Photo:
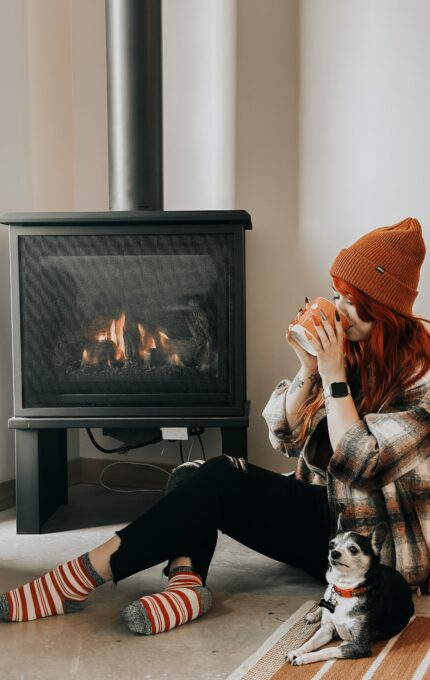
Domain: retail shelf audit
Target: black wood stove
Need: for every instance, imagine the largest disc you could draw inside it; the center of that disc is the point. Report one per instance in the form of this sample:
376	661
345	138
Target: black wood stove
122	320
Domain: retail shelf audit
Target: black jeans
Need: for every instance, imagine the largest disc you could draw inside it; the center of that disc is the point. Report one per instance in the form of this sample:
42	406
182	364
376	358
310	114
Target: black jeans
278	516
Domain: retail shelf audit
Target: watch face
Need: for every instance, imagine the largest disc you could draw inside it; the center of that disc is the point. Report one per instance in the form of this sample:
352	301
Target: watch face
339	389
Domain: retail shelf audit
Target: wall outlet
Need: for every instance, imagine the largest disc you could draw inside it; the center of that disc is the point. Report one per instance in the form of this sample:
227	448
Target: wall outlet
174	433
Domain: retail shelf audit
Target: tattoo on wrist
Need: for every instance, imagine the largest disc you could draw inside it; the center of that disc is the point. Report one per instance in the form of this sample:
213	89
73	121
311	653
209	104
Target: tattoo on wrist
314	378
297	384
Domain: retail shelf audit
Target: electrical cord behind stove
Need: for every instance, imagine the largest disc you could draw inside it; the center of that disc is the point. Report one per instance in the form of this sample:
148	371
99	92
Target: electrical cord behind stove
194	431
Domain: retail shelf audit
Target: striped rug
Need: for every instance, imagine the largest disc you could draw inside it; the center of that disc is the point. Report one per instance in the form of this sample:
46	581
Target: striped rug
406	656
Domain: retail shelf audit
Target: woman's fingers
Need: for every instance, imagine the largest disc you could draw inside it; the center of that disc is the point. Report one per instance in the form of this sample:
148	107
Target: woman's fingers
320	327
338	325
332	333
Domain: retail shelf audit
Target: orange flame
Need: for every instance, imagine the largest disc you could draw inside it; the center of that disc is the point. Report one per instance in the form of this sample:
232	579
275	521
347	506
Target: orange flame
114	333
117	331
107	344
146	343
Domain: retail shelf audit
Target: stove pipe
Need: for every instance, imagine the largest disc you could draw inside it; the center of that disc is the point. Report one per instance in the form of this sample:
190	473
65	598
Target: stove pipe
135	128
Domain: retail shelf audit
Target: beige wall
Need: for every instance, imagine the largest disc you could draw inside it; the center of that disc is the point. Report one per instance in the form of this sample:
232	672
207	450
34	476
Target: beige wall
89	112
266	184
50	91
311	115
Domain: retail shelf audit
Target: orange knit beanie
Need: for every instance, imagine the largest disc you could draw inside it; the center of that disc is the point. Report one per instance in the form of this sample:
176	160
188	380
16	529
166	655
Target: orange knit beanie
385	264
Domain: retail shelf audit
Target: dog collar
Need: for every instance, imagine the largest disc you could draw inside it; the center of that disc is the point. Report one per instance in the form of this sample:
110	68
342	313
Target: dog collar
331	603
352	592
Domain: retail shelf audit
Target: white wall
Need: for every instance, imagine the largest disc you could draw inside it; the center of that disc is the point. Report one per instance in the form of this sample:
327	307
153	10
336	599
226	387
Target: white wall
199	78
364	132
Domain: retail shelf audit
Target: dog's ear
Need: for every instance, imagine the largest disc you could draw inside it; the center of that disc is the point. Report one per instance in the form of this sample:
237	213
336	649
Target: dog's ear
339	524
377	537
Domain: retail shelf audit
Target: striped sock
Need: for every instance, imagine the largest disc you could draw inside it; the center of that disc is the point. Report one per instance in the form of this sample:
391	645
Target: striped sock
184	599
61	591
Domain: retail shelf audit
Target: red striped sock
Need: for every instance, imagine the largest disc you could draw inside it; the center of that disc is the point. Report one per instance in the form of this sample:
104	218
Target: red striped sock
61	591
184	599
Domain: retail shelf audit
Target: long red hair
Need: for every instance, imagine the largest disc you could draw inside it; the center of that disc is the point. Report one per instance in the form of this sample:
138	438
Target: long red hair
393	356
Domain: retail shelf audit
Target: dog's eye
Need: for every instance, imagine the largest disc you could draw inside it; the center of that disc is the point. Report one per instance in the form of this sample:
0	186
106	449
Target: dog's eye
331	545
353	550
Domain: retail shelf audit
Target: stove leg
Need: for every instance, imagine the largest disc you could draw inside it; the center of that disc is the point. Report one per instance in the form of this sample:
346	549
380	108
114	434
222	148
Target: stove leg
41	477
234	441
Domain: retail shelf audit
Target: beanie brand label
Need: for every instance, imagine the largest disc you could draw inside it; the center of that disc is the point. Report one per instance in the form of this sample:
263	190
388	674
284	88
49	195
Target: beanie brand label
380	269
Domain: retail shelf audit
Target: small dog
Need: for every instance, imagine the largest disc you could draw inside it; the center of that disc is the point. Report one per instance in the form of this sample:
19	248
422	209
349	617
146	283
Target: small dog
364	601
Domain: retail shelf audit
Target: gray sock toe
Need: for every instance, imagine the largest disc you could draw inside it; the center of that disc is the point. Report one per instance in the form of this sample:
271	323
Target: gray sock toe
136	618
4	608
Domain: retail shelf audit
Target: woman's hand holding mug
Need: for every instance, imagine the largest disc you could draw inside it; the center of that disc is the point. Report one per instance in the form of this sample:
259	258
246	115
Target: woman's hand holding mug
317	337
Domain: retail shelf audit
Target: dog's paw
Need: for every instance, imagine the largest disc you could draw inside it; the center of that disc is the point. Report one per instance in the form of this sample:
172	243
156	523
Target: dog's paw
292	655
301	660
314	616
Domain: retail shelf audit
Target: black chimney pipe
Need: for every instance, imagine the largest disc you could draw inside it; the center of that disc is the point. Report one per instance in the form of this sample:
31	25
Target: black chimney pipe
135	127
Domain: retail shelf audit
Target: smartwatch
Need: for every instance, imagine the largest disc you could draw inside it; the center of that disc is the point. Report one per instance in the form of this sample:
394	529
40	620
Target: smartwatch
336	390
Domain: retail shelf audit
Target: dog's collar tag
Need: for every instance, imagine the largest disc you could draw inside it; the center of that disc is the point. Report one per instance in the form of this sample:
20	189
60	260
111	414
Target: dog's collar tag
327	604
331	603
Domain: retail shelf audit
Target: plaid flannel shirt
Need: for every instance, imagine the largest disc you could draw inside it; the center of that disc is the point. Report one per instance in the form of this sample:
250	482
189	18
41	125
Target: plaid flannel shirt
380	471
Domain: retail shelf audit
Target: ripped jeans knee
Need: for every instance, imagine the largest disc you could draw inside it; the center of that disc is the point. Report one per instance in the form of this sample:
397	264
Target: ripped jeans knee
239	463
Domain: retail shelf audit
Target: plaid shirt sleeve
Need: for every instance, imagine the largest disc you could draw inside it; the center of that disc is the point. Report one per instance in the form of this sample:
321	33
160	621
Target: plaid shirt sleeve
274	413
383	446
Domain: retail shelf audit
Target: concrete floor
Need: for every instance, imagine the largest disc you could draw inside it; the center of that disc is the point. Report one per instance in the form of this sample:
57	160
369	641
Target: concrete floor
252	596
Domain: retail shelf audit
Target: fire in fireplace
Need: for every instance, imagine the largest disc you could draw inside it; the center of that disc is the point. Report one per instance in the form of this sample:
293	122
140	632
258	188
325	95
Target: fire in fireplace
129	345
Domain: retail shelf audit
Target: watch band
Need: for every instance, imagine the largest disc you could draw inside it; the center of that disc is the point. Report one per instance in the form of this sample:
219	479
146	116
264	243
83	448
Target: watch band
337	390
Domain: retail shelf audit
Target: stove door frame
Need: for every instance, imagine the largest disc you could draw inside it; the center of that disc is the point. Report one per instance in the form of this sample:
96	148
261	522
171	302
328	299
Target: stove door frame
163	222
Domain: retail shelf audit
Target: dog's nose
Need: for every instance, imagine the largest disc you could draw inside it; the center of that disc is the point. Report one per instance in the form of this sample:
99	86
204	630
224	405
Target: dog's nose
335	554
